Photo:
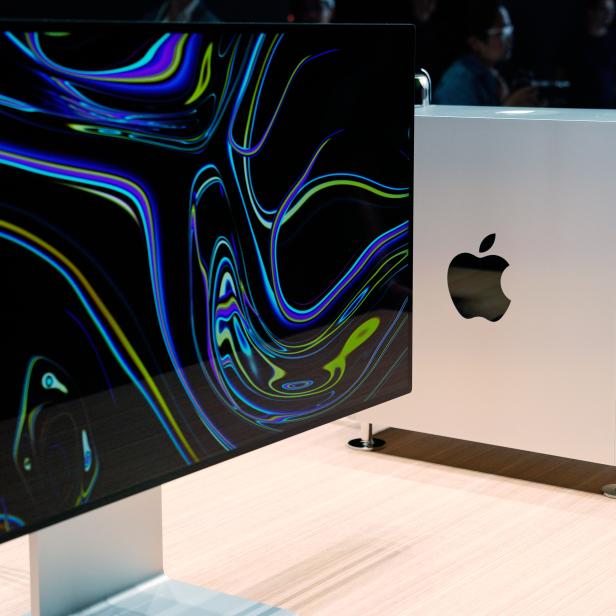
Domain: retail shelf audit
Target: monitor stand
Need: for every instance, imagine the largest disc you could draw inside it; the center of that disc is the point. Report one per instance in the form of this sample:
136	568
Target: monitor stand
110	562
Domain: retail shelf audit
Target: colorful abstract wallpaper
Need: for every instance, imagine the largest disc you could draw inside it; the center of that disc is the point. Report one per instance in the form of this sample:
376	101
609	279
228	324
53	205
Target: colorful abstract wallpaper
205	247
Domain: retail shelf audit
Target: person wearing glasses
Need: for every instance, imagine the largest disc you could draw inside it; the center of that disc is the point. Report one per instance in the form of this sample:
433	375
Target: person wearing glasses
474	78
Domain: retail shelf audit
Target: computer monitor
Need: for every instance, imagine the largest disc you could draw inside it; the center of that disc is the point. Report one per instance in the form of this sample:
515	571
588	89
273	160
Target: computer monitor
205	247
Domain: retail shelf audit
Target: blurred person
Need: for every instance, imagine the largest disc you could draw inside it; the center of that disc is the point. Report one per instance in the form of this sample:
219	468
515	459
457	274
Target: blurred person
381	11
422	11
599	17
182	10
429	46
592	57
474	78
314	11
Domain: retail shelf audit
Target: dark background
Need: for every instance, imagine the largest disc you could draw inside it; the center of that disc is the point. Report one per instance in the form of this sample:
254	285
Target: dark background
543	30
257	10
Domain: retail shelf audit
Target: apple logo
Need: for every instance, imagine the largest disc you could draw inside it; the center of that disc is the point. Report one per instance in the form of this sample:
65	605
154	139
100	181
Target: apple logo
475	284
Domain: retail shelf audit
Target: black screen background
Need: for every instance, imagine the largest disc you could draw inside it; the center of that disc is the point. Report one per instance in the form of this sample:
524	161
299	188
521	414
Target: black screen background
364	88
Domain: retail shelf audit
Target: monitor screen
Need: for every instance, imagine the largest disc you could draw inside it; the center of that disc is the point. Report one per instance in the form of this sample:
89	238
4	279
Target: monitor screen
205	247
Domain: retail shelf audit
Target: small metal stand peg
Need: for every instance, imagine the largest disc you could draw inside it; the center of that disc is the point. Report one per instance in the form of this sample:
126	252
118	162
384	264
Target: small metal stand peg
366	442
609	490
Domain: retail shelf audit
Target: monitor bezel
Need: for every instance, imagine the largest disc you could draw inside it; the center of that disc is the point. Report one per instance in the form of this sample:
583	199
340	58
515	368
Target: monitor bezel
250	28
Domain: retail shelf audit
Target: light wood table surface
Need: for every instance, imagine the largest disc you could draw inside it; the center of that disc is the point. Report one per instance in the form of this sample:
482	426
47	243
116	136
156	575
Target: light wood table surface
423	529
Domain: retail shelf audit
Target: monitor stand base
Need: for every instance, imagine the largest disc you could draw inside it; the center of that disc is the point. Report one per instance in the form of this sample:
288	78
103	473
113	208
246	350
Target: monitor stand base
108	562
162	596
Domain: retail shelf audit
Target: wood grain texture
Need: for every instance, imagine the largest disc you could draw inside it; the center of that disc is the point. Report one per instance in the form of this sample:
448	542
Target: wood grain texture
424	528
